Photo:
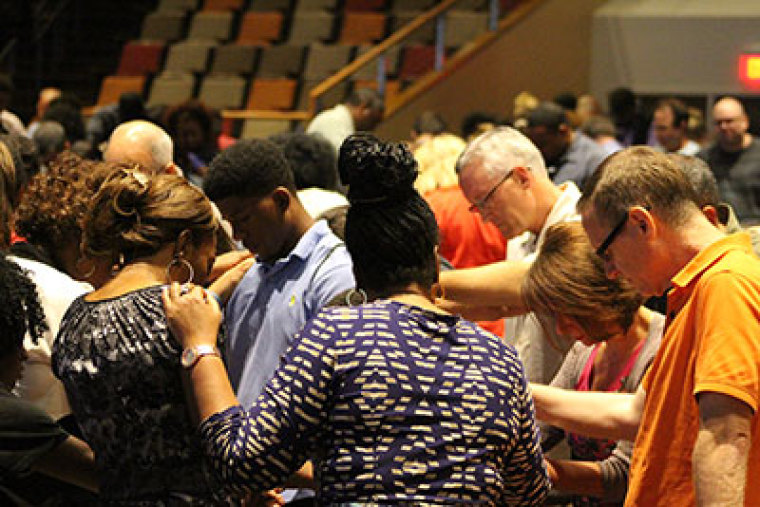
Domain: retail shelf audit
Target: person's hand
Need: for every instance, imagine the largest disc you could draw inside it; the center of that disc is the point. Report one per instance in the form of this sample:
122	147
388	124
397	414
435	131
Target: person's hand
269	498
225	285
192	314
223	263
477	313
551	470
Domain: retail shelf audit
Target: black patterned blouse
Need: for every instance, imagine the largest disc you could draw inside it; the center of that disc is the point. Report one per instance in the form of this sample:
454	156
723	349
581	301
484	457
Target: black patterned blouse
395	404
120	367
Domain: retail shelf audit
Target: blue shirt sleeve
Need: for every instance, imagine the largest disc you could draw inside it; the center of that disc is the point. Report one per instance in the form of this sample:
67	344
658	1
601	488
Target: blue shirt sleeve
259	449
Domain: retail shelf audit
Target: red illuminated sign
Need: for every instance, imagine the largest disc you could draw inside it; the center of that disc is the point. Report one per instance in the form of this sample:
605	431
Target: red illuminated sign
749	69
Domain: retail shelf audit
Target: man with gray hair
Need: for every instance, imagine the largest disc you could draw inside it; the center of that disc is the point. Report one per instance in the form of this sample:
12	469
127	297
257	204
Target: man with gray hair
504	177
145	143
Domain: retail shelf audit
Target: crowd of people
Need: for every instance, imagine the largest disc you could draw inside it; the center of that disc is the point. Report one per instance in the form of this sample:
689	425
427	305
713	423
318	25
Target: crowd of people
562	308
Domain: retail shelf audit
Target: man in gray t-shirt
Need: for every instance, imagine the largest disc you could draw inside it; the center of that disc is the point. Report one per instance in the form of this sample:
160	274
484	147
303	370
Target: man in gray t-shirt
735	159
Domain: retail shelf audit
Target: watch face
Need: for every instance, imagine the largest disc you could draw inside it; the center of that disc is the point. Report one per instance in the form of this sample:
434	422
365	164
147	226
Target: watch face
188	358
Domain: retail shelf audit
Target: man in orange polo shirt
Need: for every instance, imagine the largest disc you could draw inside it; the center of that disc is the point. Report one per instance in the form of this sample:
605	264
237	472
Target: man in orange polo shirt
695	417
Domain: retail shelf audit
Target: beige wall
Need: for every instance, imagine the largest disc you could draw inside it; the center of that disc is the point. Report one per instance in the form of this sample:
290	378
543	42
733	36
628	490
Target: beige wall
547	52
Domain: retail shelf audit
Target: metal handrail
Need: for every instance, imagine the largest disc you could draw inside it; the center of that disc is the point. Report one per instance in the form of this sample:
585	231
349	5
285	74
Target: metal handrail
377	52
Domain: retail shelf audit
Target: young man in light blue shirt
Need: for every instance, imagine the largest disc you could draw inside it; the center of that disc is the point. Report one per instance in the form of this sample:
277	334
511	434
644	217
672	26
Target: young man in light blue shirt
300	264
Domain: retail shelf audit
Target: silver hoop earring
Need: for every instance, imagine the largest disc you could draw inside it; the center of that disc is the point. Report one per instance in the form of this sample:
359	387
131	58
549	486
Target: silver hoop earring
78	266
350	297
181	261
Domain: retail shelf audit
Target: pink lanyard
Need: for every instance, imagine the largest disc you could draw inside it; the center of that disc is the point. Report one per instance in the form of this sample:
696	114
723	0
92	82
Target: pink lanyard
584	382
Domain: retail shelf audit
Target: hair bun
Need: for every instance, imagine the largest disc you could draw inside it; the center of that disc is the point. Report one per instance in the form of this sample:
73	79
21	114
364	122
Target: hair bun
376	171
130	192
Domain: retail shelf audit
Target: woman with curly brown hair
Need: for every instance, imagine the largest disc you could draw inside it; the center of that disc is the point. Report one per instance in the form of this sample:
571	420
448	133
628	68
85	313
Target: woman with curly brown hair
114	352
49	219
49	216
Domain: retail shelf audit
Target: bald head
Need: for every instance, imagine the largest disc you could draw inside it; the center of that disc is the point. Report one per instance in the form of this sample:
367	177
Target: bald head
731	124
144	143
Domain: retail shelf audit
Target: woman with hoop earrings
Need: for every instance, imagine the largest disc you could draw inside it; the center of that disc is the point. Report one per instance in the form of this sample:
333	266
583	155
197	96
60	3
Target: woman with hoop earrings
114	352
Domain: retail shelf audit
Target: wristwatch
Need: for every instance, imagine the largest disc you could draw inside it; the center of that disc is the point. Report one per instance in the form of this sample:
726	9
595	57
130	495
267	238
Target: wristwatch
191	355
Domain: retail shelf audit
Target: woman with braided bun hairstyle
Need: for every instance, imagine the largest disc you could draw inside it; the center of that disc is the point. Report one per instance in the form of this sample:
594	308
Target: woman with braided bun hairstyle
114	353
393	400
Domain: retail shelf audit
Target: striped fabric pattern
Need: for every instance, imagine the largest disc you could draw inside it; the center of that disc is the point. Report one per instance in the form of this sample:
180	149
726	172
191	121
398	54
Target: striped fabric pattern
394	404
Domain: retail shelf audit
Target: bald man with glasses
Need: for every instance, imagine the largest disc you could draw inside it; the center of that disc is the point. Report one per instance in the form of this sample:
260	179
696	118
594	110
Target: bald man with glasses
503	175
695	416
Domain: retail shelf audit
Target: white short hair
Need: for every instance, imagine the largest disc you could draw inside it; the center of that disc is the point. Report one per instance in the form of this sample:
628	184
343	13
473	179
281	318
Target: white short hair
501	149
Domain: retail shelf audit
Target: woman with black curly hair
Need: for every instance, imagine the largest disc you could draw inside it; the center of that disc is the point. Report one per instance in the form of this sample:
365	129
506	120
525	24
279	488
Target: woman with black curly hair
29	439
394	400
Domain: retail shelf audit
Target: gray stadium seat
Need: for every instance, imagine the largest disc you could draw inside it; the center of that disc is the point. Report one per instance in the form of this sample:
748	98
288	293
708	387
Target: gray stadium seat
164	26
189	56
223	91
280	61
211	25
311	26
261	129
171	88
234	59
325	60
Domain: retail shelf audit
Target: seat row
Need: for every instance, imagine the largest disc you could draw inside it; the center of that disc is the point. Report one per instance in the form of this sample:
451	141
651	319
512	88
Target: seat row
230	92
303	27
315	61
277	64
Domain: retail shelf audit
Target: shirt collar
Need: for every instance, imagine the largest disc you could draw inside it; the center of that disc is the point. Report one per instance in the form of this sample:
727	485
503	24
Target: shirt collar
564	210
306	245
709	256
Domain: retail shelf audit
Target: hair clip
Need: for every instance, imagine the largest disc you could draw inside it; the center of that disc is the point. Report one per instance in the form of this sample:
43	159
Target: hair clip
140	176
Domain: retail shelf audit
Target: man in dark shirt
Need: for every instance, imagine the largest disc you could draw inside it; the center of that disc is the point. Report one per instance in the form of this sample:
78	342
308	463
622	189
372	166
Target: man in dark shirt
734	158
569	155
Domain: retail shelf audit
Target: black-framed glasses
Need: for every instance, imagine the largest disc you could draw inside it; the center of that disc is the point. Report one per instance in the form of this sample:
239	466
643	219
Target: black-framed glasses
614	233
481	204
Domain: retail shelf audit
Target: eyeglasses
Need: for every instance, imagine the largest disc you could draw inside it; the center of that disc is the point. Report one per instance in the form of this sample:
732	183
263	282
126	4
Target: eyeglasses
481	204
614	233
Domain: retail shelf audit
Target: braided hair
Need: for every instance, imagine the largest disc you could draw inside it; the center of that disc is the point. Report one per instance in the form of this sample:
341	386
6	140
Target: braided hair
391	232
